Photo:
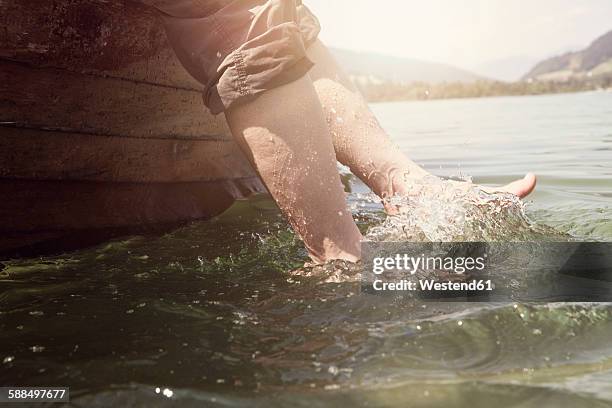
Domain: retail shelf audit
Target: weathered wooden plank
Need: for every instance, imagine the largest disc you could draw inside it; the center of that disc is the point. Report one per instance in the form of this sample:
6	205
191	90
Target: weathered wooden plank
76	205
116	38
101	127
42	155
56	99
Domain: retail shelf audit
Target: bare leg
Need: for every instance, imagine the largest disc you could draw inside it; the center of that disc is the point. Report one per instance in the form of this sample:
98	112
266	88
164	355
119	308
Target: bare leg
284	135
359	140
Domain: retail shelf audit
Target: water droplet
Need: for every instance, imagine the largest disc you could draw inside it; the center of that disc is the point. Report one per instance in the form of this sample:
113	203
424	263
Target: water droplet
333	370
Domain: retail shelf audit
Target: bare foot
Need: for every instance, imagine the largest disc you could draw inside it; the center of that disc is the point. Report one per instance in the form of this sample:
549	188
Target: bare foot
521	187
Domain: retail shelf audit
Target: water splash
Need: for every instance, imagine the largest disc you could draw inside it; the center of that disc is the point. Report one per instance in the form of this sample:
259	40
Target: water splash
333	271
445	211
439	211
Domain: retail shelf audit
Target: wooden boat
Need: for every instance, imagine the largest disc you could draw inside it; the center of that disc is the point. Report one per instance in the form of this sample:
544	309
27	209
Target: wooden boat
101	127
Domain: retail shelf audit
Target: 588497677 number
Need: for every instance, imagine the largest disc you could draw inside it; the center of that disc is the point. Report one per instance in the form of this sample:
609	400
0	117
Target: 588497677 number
25	394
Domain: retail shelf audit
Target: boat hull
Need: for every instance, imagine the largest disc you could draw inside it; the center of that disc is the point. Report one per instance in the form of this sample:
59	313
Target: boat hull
101	128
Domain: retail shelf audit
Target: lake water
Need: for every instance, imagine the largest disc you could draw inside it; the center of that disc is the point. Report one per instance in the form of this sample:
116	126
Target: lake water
210	314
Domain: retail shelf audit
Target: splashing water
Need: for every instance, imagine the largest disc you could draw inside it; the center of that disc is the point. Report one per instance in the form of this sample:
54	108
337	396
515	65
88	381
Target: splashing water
441	211
445	210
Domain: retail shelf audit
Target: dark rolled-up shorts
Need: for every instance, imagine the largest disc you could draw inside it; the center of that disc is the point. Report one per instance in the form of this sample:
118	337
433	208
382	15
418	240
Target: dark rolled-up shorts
239	48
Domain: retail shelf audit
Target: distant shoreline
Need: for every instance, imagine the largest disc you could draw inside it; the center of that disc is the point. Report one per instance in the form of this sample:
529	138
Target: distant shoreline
418	91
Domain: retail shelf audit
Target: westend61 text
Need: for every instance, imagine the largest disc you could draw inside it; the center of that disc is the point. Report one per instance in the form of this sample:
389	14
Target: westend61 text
432	285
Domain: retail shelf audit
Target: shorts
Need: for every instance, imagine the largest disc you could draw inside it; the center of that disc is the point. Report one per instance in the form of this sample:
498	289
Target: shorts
239	48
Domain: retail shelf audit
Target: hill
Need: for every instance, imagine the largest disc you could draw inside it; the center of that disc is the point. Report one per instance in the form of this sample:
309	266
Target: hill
372	68
593	61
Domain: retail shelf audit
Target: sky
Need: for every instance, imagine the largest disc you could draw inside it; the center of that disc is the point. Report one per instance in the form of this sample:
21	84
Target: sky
472	34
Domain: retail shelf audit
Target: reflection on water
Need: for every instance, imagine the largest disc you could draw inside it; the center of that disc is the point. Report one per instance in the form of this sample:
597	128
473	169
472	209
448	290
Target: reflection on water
212	314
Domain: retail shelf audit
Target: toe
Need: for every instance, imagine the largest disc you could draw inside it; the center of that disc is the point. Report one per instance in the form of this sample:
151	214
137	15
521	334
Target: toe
521	187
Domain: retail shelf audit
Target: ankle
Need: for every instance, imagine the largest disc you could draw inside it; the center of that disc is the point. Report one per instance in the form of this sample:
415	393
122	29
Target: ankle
330	251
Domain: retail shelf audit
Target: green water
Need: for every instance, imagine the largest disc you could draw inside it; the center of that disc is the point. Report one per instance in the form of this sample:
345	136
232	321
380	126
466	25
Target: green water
211	312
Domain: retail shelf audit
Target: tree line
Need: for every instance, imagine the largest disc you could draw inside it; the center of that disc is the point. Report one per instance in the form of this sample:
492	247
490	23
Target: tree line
391	91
